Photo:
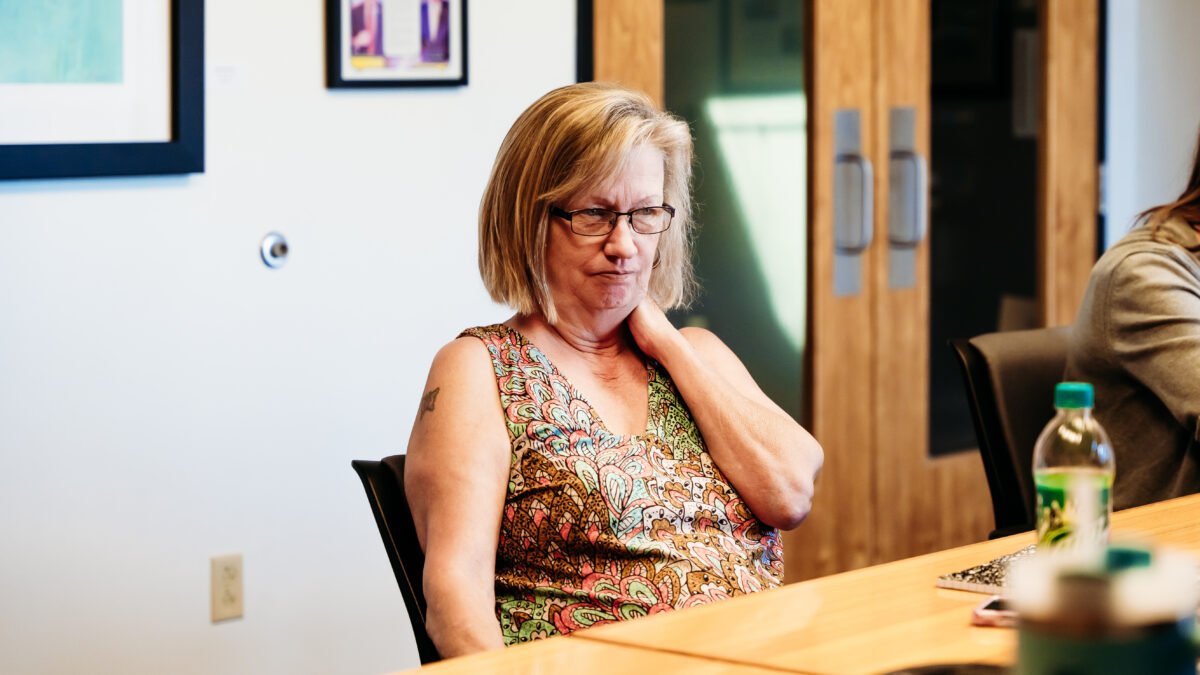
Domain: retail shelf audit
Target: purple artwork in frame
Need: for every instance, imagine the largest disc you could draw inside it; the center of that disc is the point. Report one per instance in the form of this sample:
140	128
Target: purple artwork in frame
396	43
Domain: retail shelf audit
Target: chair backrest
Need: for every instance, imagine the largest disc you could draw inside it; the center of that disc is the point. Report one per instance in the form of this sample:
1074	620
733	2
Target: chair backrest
1009	379
384	483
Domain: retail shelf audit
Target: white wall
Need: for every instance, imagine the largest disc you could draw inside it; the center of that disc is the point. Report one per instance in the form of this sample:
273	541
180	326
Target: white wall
1153	105
165	398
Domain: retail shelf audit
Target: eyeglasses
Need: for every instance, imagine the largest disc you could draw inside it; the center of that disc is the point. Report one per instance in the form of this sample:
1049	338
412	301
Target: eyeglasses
599	222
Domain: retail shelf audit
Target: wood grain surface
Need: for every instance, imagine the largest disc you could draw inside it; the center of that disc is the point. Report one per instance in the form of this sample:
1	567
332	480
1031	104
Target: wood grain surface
628	44
1069	182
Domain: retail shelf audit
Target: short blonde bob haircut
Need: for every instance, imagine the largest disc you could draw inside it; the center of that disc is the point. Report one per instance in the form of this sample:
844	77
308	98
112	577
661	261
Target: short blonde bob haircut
570	138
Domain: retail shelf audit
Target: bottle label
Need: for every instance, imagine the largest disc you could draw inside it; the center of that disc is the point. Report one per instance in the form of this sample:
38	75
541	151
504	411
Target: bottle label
1073	506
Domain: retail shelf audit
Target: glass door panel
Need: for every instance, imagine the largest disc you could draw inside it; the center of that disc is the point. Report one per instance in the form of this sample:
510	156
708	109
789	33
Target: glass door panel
983	190
734	69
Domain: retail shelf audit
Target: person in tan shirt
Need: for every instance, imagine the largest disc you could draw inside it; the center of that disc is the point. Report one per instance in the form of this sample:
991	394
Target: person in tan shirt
1137	340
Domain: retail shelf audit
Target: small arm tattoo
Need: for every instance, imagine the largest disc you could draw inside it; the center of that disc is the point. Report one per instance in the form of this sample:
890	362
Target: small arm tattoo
427	401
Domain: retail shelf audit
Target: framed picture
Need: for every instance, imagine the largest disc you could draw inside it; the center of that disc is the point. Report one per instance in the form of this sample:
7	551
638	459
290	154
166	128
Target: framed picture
101	88
395	43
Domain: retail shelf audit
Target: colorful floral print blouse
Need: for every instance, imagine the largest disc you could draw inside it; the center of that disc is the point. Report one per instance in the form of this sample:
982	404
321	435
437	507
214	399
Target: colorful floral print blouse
599	527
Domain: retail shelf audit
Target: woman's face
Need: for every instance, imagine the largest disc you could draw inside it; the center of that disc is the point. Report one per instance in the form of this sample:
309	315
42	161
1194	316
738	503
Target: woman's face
609	273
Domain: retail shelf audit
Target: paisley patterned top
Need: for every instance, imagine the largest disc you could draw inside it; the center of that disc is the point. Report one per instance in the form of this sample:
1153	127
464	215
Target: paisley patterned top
598	527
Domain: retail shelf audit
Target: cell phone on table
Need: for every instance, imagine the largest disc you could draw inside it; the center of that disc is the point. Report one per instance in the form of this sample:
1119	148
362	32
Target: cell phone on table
995	611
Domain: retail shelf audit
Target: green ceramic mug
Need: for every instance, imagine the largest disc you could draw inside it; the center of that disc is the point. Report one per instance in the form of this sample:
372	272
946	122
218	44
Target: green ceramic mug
1126	611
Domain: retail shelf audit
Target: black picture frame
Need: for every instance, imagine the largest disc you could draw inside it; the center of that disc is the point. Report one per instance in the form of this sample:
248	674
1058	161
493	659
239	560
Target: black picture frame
336	53
184	153
585	62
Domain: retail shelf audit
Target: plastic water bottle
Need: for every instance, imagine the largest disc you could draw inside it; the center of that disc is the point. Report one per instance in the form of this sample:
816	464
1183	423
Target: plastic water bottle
1073	471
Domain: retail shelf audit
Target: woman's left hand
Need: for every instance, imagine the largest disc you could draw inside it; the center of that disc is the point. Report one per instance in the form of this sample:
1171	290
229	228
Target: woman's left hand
651	328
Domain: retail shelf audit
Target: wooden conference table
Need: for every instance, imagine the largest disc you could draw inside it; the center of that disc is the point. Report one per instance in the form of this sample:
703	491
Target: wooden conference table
871	620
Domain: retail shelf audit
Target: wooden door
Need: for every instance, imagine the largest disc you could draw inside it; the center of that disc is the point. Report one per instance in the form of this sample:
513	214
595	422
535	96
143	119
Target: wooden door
881	496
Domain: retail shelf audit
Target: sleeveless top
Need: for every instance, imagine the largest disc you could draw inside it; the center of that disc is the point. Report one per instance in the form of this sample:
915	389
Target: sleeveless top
598	527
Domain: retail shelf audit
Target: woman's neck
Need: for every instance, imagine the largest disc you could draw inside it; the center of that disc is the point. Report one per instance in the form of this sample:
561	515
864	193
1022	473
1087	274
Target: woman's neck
595	338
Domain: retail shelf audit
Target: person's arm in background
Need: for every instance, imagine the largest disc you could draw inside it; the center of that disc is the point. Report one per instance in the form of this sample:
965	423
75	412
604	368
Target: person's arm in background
769	458
1152	325
456	477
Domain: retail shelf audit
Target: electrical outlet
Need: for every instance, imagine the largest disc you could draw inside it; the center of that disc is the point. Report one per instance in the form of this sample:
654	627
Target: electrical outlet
227	587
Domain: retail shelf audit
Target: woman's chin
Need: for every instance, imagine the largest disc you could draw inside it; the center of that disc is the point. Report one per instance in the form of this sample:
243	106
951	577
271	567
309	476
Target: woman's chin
612	301
624	301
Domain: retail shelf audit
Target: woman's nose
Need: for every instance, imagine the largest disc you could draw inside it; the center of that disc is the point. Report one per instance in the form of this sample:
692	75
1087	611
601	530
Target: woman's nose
620	242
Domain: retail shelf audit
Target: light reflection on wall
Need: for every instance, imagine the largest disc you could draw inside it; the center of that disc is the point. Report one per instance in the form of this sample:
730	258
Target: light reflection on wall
763	145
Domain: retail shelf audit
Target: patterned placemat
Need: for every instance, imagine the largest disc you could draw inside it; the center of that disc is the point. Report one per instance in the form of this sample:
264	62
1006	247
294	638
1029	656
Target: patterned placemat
991	577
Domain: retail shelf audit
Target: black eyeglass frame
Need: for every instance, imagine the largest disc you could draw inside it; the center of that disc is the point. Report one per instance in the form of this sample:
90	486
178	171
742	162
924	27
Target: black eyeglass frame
569	216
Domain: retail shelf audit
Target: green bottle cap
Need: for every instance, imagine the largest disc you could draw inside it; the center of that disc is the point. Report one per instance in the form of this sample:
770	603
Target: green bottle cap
1073	395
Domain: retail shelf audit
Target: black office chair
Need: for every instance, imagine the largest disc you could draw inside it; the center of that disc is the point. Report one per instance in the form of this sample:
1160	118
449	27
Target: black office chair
1010	378
384	483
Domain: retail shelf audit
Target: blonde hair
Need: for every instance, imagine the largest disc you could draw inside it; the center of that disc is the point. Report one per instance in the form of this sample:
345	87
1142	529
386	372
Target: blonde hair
570	138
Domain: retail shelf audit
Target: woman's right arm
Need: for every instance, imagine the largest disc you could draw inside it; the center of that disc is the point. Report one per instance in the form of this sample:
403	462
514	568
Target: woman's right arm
456	477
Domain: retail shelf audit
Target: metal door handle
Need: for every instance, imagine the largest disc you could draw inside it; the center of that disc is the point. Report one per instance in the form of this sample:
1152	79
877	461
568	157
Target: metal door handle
908	217
854	206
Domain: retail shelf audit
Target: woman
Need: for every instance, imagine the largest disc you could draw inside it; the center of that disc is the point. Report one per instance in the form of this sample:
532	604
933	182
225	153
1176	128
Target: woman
585	461
1137	340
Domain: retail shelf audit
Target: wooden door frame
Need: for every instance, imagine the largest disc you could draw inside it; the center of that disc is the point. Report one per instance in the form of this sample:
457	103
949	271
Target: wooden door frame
1068	170
627	44
840	531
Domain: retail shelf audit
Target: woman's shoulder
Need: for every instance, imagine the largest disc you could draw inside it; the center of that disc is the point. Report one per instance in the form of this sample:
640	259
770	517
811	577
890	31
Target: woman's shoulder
698	335
714	351
1140	259
484	332
468	355
1126	268
1173	239
1140	283
704	340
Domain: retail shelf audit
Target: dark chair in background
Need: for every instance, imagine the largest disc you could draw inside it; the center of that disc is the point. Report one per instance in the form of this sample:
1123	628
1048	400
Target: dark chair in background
1010	378
384	483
